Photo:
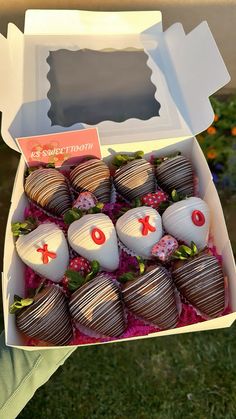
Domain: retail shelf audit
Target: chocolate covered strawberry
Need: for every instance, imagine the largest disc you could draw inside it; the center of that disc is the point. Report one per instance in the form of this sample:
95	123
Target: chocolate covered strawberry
188	220
139	229
44	317
152	298
97	306
42	247
92	176
200	279
175	173
134	176
93	236
49	189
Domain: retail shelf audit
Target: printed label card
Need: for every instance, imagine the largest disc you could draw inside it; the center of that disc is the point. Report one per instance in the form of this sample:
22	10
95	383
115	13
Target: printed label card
60	149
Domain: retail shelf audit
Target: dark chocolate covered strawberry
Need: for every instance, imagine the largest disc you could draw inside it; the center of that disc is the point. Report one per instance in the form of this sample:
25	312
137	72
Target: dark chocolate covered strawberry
152	298
92	176
134	177
200	279
45	317
49	189
175	173
97	306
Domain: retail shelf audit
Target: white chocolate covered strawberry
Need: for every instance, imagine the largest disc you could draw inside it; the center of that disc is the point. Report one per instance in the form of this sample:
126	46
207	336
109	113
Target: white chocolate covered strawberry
45	250
188	220
94	237
139	229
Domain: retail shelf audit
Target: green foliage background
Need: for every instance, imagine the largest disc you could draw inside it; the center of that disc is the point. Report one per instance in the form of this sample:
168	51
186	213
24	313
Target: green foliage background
220	147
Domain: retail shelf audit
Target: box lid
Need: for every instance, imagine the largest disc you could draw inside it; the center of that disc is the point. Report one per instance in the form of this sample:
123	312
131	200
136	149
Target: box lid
181	72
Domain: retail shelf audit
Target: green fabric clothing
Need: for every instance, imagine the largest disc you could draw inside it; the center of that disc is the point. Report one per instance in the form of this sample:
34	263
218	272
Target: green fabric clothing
23	372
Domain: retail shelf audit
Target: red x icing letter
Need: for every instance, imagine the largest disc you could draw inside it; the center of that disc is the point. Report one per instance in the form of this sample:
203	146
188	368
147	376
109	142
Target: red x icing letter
146	226
46	254
98	236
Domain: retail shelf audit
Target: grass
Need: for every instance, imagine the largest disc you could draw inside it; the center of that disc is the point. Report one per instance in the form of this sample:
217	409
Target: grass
188	376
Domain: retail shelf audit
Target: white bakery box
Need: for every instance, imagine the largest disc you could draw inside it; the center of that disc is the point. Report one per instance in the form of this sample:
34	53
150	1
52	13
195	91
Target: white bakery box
155	99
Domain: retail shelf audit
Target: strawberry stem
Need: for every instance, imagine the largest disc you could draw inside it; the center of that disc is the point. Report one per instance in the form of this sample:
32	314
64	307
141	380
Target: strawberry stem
141	264
184	252
128	276
25	227
121	159
95	266
72	215
20	303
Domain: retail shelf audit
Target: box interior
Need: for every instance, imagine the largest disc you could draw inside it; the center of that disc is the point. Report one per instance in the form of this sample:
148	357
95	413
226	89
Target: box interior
188	147
184	70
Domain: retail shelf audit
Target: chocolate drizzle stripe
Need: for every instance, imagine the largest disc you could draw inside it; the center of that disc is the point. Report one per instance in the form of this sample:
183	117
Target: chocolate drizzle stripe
93	176
47	318
135	179
176	173
97	305
152	298
49	189
201	281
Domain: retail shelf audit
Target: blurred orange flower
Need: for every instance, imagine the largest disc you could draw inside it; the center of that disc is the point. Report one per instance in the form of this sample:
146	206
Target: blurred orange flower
233	131
216	117
211	154
211	130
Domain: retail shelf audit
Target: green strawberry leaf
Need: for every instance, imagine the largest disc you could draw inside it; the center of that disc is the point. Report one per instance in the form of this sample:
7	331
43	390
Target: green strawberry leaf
75	280
137	203
128	276
17	298
20	303
121	159
39	288
72	215
139	154
158	161
163	205
100	205
180	257
141	263
25	227
96	209
175	195
185	250
95	266
194	248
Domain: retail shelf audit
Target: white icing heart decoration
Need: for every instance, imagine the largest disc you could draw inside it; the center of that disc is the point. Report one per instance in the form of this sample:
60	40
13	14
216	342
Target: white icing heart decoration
139	229
45	250
94	237
188	220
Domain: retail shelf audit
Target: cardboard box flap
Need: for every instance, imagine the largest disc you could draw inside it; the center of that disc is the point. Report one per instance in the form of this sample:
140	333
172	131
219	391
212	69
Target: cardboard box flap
199	69
140	83
71	22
